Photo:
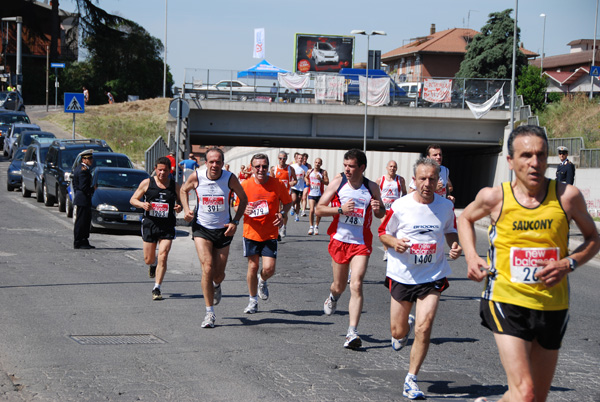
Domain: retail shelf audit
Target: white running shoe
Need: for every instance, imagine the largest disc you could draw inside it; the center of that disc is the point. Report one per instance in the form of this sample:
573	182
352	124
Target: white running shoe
263	290
329	306
411	390
398	344
209	320
296	218
316	232
352	341
349	275
251	308
385	255
292	211
310	230
303	213
217	295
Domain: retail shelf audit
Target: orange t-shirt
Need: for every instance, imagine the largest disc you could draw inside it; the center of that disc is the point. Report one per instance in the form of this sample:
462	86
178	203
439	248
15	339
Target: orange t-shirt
264	199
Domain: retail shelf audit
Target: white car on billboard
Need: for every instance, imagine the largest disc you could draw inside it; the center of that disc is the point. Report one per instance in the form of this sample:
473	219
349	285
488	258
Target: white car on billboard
324	53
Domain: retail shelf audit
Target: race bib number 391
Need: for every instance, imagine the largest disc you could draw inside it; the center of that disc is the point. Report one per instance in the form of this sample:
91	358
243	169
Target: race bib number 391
212	204
523	262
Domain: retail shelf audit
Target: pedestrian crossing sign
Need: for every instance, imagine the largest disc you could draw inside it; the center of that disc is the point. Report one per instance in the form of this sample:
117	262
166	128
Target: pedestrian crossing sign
595	71
74	103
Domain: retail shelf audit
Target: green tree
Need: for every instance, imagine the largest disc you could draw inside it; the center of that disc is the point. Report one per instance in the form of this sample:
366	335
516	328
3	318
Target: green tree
533	88
489	55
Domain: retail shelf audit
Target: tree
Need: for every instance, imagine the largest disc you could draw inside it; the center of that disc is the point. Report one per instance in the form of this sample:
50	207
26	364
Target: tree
533	88
489	55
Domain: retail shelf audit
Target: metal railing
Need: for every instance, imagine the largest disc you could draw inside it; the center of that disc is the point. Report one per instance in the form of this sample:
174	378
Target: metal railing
156	150
201	84
588	158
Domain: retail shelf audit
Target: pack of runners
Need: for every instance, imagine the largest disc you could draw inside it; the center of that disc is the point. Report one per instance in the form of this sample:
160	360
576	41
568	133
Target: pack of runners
525	299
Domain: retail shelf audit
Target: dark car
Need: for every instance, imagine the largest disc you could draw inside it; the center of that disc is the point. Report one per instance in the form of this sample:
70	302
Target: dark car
61	155
32	169
27	137
6	119
110	204
12	101
13	179
101	159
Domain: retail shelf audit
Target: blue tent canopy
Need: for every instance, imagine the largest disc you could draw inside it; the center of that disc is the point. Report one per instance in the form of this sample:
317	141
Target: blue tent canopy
264	69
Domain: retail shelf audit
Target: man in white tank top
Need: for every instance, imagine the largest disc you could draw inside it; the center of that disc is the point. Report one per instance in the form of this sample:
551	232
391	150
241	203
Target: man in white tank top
354	200
444	187
392	187
316	179
298	188
213	228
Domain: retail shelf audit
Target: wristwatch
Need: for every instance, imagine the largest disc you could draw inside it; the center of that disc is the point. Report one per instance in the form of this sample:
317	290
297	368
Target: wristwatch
340	211
235	222
572	263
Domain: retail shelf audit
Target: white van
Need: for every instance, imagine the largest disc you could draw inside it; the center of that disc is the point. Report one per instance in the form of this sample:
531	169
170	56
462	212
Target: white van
413	90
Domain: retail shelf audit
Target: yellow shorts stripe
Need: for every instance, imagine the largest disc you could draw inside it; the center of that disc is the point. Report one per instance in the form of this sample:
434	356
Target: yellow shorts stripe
493	311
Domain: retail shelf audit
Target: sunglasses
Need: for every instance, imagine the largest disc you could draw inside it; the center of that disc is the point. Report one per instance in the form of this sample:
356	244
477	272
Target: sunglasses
258	167
563	153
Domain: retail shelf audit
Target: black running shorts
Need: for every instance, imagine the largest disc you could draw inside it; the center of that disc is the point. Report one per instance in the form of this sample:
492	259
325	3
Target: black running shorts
152	233
410	293
216	236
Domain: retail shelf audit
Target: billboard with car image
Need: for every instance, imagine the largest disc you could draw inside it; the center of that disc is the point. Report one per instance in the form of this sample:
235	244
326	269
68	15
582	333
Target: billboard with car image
323	53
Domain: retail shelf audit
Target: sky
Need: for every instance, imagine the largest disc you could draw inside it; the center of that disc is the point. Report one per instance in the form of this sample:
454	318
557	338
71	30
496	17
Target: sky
219	35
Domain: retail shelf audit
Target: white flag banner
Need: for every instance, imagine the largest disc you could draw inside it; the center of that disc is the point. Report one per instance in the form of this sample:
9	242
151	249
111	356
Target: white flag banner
379	90
437	91
480	109
294	80
259	43
329	87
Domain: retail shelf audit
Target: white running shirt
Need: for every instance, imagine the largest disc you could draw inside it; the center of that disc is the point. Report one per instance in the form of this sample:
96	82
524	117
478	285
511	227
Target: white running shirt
213	200
300	172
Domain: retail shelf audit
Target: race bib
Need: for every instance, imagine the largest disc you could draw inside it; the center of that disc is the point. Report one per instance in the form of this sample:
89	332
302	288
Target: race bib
213	203
423	253
387	202
357	217
523	262
315	185
441	191
259	208
159	210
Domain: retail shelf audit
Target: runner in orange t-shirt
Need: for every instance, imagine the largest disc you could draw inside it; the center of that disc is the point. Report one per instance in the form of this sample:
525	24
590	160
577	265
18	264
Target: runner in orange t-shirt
262	219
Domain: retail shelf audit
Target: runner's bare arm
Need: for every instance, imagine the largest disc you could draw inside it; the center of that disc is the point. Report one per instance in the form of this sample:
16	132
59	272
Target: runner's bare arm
323	208
487	201
403	185
190	184
177	207
376	203
574	204
325	177
237	188
293	178
139	193
455	248
399	245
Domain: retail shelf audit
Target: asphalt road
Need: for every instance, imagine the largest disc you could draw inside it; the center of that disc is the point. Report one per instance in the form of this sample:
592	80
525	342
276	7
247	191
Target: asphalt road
81	325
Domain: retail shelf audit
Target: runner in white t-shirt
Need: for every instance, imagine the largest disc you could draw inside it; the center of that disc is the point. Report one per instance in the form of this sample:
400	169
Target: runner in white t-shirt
444	186
414	230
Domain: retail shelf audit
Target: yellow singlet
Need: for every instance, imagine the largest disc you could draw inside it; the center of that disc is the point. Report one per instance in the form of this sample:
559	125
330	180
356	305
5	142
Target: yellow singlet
521	237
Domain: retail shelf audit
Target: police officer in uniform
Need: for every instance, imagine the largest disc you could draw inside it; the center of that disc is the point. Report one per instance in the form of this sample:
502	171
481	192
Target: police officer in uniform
82	186
565	172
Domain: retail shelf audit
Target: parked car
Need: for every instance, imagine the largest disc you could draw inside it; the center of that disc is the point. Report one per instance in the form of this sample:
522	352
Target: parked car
61	155
27	137
101	159
12	101
13	133
7	118
110	203
32	169
398	96
13	179
323	53
226	89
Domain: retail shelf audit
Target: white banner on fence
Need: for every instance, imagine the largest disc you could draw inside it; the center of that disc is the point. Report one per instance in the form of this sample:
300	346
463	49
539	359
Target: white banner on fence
294	80
480	110
379	90
259	43
329	87
437	91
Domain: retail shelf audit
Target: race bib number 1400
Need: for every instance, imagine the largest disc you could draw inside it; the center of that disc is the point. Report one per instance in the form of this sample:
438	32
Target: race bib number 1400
423	253
524	262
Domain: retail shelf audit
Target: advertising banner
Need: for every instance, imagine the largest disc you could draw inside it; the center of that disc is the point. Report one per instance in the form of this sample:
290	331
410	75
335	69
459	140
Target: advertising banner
259	43
323	53
437	91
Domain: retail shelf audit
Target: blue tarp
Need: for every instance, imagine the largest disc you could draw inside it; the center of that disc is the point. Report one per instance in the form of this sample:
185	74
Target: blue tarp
264	69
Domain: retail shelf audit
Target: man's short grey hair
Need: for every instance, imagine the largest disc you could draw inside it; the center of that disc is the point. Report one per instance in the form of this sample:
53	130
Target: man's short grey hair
426	162
283	153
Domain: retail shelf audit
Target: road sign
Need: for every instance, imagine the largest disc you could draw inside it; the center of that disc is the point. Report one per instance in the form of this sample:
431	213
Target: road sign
57	65
185	108
595	71
74	103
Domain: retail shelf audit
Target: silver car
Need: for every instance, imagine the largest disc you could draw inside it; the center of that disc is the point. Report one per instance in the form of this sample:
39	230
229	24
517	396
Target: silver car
13	133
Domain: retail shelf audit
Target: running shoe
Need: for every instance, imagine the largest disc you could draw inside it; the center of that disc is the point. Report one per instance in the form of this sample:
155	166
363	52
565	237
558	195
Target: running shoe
292	212
349	275
217	295
251	308
329	306
411	390
352	341
209	320
385	255
310	230
284	233
398	344
263	290
303	213
152	271
296	218
156	294
316	232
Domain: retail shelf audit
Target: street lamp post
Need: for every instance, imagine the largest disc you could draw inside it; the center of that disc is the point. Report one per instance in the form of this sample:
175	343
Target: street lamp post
165	55
368	35
543	40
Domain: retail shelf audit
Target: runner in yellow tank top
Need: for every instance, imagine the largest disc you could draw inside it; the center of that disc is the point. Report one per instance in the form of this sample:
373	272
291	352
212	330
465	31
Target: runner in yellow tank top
525	302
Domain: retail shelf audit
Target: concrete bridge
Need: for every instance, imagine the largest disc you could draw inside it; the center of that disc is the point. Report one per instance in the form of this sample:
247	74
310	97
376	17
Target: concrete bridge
471	147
